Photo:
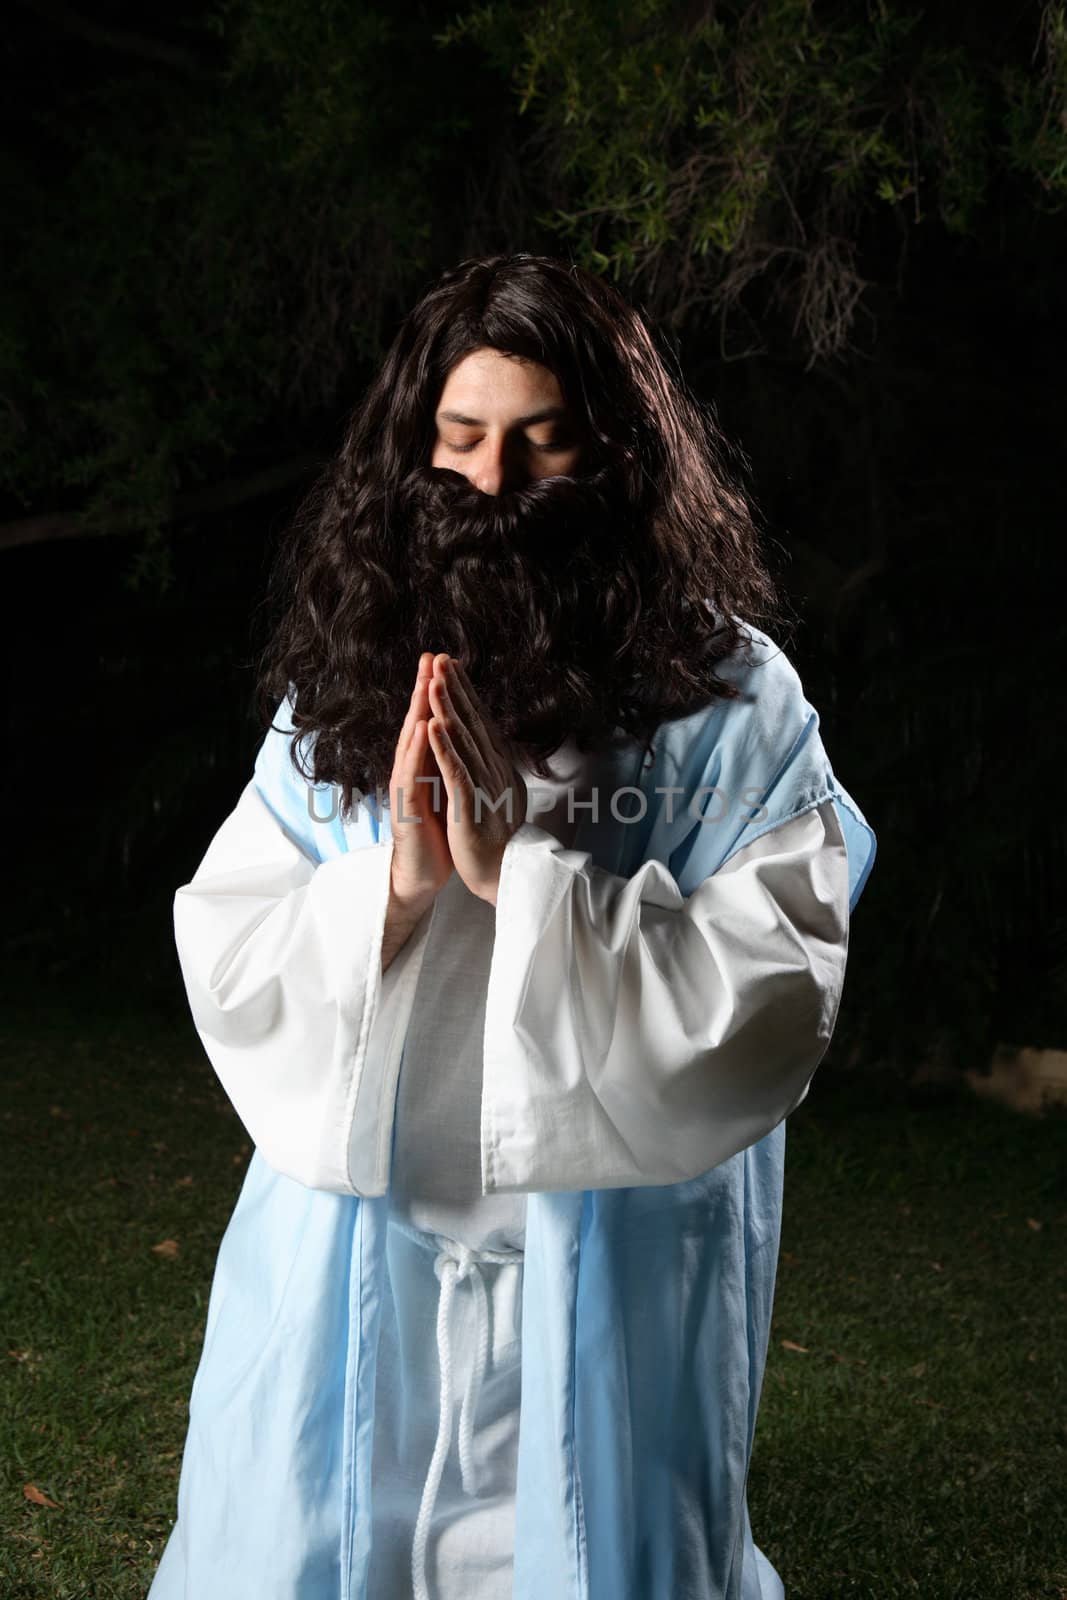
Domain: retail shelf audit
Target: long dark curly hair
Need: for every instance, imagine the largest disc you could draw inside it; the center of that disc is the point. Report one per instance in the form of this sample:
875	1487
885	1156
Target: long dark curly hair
593	606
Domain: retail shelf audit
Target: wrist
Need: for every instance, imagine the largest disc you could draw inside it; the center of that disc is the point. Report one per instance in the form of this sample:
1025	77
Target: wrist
409	903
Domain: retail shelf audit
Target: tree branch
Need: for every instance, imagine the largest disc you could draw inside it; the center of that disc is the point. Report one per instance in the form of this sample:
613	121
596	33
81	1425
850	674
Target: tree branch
135	44
195	503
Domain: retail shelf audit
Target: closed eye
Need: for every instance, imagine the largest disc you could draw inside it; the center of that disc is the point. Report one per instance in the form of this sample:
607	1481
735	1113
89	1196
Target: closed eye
544	449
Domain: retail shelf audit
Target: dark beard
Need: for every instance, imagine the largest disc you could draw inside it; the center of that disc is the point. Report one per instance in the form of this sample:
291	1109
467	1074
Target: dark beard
516	586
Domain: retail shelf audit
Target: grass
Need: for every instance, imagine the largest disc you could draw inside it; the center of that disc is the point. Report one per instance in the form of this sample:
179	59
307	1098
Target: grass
914	1444
118	1137
917	1443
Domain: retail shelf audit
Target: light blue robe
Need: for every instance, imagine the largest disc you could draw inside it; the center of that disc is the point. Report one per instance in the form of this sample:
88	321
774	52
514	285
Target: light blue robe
645	1312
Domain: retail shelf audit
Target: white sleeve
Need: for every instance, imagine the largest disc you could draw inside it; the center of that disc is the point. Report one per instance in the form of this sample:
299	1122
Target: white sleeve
281	957
635	1036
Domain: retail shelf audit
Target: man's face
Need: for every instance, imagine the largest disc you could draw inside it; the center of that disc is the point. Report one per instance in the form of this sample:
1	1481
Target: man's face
510	534
502	422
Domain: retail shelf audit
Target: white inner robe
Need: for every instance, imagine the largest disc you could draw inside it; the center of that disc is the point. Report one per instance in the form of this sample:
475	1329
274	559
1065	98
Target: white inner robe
437	1209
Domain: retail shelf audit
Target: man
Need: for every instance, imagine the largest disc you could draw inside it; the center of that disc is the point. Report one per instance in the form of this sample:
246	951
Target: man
515	1049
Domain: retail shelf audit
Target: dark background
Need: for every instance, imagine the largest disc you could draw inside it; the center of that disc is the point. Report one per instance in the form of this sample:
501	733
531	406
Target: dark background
846	222
215	218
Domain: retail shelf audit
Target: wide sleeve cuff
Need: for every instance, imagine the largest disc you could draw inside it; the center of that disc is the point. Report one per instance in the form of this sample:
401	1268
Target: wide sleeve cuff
281	958
634	1036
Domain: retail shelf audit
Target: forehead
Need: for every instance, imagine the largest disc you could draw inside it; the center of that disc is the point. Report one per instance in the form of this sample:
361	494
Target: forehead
488	383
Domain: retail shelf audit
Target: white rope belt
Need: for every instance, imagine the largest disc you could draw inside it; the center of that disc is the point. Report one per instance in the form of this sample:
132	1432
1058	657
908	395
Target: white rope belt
453	1262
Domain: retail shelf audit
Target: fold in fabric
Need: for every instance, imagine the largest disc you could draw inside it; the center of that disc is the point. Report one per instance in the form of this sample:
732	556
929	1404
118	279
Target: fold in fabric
632	1035
281	957
646	1308
636	1036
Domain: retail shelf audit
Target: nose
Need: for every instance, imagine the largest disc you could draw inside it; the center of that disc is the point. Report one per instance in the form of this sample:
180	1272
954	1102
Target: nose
489	479
497	467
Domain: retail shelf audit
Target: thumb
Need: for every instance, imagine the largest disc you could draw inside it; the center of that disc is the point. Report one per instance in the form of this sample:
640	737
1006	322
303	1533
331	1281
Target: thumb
431	792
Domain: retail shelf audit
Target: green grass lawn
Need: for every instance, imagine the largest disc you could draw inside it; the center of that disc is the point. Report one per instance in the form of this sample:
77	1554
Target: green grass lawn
914	1443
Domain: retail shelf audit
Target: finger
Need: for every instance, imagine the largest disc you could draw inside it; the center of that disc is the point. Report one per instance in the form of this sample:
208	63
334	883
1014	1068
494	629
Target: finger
427	776
501	749
420	795
401	787
477	718
431	792
468	734
468	694
418	709
449	717
408	725
453	768
417	705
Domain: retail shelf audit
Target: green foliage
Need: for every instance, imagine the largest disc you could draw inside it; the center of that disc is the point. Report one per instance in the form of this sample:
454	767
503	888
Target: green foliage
1036	115
209	259
217	255
690	152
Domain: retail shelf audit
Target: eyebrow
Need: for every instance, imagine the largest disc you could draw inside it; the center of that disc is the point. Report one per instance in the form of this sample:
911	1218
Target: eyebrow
549	414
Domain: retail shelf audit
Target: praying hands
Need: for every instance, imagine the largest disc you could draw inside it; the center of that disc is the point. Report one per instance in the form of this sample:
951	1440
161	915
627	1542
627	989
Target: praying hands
487	797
